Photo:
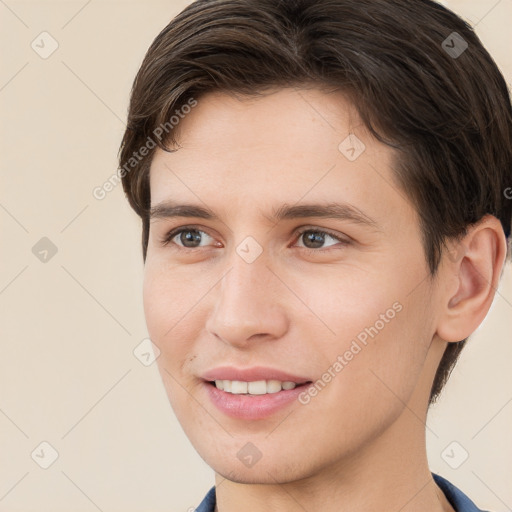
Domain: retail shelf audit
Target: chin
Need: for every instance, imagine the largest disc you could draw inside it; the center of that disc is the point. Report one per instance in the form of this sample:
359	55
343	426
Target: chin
261	475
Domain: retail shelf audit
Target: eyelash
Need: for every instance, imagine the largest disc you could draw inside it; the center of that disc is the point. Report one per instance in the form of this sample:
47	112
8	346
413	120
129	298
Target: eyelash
166	240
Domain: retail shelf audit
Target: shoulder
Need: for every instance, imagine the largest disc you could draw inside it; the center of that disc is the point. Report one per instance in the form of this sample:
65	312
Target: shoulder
459	501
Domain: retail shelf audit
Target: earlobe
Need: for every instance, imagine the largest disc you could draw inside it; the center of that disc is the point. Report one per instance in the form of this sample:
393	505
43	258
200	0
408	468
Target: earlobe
476	270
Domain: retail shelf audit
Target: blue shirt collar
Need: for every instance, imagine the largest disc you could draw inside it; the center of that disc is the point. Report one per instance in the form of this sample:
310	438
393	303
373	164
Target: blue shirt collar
459	501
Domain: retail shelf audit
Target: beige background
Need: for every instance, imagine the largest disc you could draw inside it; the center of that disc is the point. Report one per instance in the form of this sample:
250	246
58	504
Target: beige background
68	375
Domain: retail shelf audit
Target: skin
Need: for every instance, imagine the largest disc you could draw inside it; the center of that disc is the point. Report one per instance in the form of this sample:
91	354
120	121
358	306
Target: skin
360	443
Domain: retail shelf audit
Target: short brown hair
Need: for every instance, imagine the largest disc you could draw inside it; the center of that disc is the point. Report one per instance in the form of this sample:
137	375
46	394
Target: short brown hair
417	73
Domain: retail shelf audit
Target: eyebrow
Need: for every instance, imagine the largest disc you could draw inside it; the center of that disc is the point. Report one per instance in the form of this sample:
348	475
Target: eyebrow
343	211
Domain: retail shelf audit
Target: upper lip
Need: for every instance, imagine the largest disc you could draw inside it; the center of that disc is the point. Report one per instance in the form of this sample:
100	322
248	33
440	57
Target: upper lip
252	374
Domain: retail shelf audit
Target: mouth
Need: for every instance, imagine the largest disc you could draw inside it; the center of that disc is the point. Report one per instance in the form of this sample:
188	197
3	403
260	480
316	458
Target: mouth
253	400
252	393
255	388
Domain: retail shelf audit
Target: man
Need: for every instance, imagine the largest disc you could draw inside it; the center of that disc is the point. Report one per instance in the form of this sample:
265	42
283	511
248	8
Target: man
322	190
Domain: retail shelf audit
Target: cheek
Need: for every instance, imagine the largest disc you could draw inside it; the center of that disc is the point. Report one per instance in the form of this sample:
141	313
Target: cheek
157	305
363	386
346	305
378	335
169	309
169	294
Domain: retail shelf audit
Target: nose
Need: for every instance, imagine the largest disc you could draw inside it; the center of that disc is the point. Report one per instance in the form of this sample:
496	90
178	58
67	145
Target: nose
247	305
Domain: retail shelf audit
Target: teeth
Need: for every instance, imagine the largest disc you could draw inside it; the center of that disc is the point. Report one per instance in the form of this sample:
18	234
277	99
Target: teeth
238	387
273	386
258	387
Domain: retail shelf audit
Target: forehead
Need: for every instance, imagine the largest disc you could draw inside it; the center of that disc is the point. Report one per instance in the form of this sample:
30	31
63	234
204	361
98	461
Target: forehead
288	146
280	119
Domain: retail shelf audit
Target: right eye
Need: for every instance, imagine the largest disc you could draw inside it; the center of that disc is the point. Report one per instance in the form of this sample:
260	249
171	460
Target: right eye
186	237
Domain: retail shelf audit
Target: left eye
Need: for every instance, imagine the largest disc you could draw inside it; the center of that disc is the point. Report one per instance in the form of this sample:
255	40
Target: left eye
315	239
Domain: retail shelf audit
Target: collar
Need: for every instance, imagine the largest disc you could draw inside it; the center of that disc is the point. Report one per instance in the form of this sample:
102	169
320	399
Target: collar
459	501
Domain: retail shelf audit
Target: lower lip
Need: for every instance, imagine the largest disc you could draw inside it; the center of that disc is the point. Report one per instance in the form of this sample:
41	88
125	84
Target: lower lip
252	407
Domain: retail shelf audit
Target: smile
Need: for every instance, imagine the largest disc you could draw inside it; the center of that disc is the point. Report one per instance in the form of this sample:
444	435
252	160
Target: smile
257	387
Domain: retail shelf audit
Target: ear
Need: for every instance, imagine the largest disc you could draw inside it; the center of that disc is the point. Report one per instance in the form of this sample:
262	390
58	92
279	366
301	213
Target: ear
473	269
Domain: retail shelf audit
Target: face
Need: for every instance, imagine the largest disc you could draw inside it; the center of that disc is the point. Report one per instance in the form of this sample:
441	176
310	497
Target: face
305	266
